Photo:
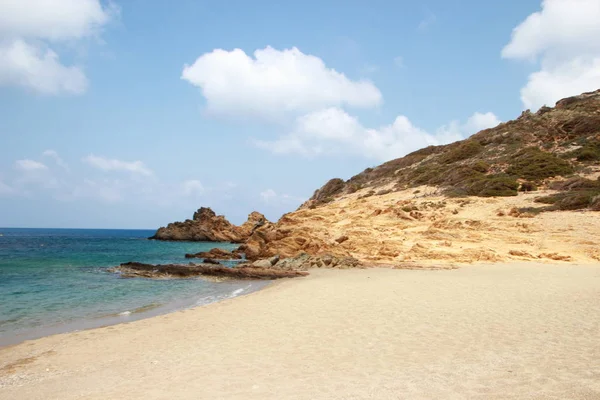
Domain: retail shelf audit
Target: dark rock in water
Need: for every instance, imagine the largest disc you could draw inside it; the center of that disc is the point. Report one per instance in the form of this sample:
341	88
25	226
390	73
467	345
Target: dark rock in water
210	261
135	269
207	226
218	254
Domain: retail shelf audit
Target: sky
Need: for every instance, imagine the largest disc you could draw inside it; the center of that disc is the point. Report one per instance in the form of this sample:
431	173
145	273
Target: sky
133	114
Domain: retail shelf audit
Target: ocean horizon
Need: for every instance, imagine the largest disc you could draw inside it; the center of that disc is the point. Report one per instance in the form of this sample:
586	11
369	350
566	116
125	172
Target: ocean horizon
55	280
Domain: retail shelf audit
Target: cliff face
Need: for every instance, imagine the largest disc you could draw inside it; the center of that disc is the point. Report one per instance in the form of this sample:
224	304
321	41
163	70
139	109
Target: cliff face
207	226
487	198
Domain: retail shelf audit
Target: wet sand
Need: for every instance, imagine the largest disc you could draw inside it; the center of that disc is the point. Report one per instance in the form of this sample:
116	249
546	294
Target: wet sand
504	331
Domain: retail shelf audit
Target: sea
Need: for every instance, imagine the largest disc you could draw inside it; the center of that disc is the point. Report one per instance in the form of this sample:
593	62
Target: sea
57	280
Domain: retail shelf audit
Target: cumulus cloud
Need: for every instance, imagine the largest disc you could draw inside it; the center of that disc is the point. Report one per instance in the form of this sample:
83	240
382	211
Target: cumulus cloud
30	165
52	20
6	190
26	29
57	159
107	164
267	195
193	188
333	130
38	69
563	38
274	82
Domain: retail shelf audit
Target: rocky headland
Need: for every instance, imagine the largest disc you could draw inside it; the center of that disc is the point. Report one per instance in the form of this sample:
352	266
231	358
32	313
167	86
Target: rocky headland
526	190
210	227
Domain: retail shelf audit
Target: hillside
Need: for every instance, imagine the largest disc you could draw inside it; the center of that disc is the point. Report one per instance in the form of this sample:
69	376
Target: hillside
521	155
527	189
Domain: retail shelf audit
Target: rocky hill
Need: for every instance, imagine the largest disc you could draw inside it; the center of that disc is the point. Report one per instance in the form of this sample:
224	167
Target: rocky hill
488	197
520	155
527	189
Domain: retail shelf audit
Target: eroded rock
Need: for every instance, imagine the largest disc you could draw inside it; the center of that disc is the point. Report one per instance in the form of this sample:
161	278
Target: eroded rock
207	226
216	254
135	269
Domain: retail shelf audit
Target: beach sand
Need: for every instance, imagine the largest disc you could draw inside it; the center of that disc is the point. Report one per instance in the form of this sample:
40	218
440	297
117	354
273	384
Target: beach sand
504	331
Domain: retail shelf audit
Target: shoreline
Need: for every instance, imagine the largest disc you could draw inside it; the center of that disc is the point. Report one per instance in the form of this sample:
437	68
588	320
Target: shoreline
150	310
511	330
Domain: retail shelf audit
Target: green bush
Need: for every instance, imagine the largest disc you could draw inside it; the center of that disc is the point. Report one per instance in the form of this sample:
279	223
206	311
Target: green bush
481	166
589	152
494	185
461	152
535	164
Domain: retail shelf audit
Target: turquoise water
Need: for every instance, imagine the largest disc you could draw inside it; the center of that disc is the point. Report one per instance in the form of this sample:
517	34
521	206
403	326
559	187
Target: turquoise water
56	280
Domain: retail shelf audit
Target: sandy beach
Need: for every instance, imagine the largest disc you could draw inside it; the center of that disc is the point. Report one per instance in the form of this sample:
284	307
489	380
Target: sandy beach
504	331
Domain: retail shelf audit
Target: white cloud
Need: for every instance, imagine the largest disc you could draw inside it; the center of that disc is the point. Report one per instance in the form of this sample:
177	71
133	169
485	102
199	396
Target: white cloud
30	165
57	159
478	122
38	69
426	22
193	188
106	191
52	20
334	131
280	201
274	82
267	195
6	190
563	36
26	26
107	164
555	82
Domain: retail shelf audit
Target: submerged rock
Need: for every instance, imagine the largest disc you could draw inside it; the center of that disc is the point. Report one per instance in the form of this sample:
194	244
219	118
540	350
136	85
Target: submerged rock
135	269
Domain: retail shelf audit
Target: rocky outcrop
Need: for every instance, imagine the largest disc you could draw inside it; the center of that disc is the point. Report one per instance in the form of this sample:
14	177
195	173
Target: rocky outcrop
303	262
135	269
216	254
282	238
207	226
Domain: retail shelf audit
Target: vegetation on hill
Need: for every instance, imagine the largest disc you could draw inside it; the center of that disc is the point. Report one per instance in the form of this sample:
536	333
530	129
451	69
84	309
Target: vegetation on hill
528	153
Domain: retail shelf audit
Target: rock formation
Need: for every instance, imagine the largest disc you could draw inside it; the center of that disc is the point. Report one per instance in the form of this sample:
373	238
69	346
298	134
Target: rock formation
207	226
462	202
303	262
135	269
216	254
526	189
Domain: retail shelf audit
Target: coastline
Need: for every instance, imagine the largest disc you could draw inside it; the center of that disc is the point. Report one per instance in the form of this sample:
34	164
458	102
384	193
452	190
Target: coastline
512	330
126	316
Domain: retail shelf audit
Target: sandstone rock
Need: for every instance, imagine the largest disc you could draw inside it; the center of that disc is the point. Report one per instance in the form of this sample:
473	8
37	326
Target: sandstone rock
304	261
342	239
134	269
262	264
207	226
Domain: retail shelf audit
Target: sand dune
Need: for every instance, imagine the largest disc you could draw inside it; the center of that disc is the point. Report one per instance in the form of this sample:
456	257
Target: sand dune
513	331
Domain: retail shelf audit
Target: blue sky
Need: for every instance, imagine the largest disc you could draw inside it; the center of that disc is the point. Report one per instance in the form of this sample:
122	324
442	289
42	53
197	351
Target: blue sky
131	114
